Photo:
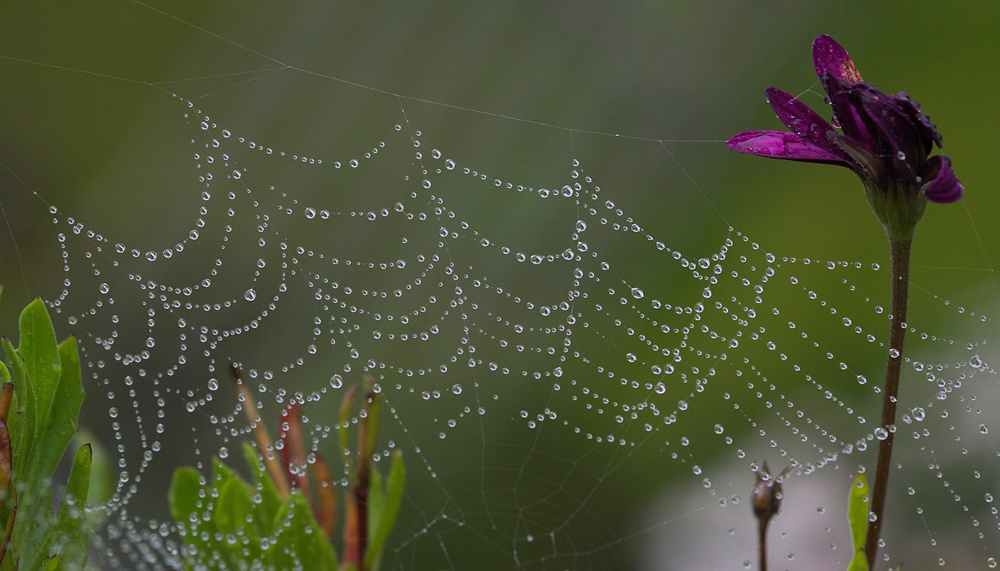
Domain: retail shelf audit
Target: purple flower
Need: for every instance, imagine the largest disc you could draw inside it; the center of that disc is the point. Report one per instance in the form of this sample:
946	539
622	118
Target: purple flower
884	139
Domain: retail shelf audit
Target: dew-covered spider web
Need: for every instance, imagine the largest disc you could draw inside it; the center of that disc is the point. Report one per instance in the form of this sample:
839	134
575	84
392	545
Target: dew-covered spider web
574	384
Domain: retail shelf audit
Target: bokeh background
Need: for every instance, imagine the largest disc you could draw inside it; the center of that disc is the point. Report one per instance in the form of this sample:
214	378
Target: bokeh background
517	89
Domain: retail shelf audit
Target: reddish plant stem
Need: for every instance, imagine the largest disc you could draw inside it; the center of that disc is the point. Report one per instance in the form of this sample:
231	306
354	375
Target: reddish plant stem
899	250
762	542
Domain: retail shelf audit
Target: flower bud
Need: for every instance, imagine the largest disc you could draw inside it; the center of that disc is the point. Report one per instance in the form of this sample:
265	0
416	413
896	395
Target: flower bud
767	494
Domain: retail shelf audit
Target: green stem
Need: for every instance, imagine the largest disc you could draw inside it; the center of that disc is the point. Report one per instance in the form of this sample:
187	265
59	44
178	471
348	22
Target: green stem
900	256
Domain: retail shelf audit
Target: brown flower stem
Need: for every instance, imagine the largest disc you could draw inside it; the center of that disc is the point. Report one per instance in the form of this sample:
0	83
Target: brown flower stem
899	250
260	433
762	542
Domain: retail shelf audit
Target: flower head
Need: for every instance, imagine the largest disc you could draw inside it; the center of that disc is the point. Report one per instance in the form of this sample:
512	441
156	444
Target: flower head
884	139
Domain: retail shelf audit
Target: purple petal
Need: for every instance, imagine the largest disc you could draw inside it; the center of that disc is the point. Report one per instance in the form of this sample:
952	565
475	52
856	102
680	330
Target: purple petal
945	188
829	56
846	111
898	128
800	119
922	123
782	145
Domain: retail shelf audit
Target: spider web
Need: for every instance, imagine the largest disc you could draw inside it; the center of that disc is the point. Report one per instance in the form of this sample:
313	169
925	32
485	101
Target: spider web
573	384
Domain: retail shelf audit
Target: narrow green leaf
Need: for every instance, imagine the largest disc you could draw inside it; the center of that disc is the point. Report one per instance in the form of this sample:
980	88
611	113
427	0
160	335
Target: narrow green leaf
68	536
857	511
376	501
102	474
53	563
24	431
859	563
301	544
37	346
267	508
387	519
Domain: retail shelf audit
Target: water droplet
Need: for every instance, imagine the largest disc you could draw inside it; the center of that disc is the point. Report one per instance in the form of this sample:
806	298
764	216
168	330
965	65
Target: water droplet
660	388
983	429
894	353
881	433
310	212
706	293
457	389
719	429
250	295
104	288
223	452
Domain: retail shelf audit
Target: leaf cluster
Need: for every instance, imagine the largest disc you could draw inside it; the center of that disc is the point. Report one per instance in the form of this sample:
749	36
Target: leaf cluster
47	395
270	522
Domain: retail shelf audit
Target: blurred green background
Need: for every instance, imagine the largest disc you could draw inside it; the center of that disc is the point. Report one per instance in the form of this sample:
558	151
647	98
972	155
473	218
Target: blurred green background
517	90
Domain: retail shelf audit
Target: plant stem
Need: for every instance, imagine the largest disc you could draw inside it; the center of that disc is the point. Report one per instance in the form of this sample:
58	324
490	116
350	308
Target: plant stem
762	542
899	250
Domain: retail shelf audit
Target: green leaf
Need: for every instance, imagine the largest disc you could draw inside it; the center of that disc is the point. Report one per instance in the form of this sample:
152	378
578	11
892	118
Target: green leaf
302	543
232	506
857	511
185	499
68	536
389	511
54	563
859	563
267	508
231	510
40	352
